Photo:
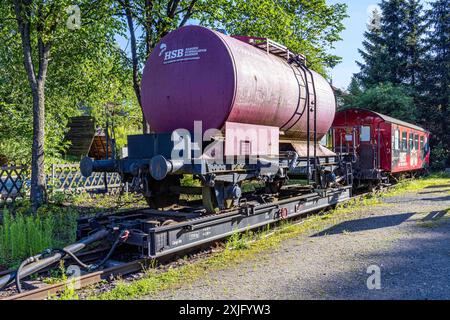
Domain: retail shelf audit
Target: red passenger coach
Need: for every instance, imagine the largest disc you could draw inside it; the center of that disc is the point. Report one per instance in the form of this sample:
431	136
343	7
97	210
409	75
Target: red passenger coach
380	146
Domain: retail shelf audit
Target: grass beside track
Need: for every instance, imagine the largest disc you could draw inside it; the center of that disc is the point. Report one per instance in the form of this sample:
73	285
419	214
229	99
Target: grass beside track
241	247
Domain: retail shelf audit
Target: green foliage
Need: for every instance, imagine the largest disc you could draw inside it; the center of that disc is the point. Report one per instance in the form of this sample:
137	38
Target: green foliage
23	234
189	181
86	71
64	223
439	156
307	27
239	241
386	98
436	100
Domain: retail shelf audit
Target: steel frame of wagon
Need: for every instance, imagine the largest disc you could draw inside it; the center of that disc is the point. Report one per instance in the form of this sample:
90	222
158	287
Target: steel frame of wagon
196	229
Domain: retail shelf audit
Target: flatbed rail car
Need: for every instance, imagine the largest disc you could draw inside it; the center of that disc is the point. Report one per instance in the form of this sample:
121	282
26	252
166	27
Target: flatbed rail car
158	233
380	146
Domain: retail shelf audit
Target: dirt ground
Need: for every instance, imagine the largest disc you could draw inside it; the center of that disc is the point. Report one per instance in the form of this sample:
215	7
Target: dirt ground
406	239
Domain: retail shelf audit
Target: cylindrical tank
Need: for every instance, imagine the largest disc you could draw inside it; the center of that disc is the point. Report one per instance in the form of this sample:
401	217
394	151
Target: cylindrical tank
197	74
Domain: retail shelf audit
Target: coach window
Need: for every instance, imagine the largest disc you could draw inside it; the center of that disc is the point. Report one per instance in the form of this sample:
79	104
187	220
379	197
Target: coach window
365	134
416	141
411	141
404	141
396	139
426	146
422	144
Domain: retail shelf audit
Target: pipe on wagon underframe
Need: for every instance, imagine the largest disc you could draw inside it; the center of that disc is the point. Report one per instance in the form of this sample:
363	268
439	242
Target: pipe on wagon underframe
45	262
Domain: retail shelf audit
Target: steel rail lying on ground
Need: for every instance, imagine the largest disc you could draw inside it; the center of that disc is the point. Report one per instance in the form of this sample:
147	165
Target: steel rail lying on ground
84	281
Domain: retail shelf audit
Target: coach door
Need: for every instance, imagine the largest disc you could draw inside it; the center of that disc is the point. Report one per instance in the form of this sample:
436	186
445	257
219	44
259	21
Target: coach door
367	149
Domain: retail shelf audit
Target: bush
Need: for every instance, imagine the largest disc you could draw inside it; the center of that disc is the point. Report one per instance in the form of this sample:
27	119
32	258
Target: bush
438	157
23	234
392	100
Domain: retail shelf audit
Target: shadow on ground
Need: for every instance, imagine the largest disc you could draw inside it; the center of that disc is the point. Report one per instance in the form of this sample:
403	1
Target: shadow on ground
434	192
435	215
446	198
366	224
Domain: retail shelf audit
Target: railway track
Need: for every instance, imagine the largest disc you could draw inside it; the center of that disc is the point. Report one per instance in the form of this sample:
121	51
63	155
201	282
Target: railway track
128	267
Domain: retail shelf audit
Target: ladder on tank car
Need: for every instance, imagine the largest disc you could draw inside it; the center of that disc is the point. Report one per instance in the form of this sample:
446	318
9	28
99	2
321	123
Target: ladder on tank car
310	105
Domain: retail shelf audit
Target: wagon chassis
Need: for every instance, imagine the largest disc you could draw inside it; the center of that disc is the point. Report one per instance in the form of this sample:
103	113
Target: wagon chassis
160	233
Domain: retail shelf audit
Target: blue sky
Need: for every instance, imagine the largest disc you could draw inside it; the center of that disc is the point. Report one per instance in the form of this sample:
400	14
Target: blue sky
352	36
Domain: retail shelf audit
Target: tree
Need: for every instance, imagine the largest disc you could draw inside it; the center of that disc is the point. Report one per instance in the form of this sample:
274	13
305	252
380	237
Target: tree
394	48
436	82
415	50
349	98
25	16
46	32
154	20
394	101
382	45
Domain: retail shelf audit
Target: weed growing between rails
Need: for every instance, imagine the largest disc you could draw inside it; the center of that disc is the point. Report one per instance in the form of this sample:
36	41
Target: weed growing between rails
69	292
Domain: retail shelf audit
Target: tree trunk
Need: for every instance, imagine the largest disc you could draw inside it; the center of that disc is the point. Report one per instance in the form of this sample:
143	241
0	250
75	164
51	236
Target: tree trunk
23	10
38	183
135	62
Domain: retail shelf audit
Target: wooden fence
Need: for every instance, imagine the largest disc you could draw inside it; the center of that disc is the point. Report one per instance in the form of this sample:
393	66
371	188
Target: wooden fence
15	181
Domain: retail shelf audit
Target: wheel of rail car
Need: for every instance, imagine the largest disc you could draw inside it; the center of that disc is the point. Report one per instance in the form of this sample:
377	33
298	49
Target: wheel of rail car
162	197
274	187
210	201
168	222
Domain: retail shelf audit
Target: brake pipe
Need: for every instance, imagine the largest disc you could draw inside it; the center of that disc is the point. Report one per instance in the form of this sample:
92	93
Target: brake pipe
36	263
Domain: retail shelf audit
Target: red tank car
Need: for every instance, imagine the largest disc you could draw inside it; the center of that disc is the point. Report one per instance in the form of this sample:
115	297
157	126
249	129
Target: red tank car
267	108
198	74
380	146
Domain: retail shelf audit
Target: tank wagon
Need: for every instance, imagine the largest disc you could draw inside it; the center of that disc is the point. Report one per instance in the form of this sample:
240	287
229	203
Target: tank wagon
227	110
380	147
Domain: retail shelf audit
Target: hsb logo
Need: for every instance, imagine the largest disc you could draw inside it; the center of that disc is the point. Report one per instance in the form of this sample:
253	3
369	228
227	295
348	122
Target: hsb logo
169	55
